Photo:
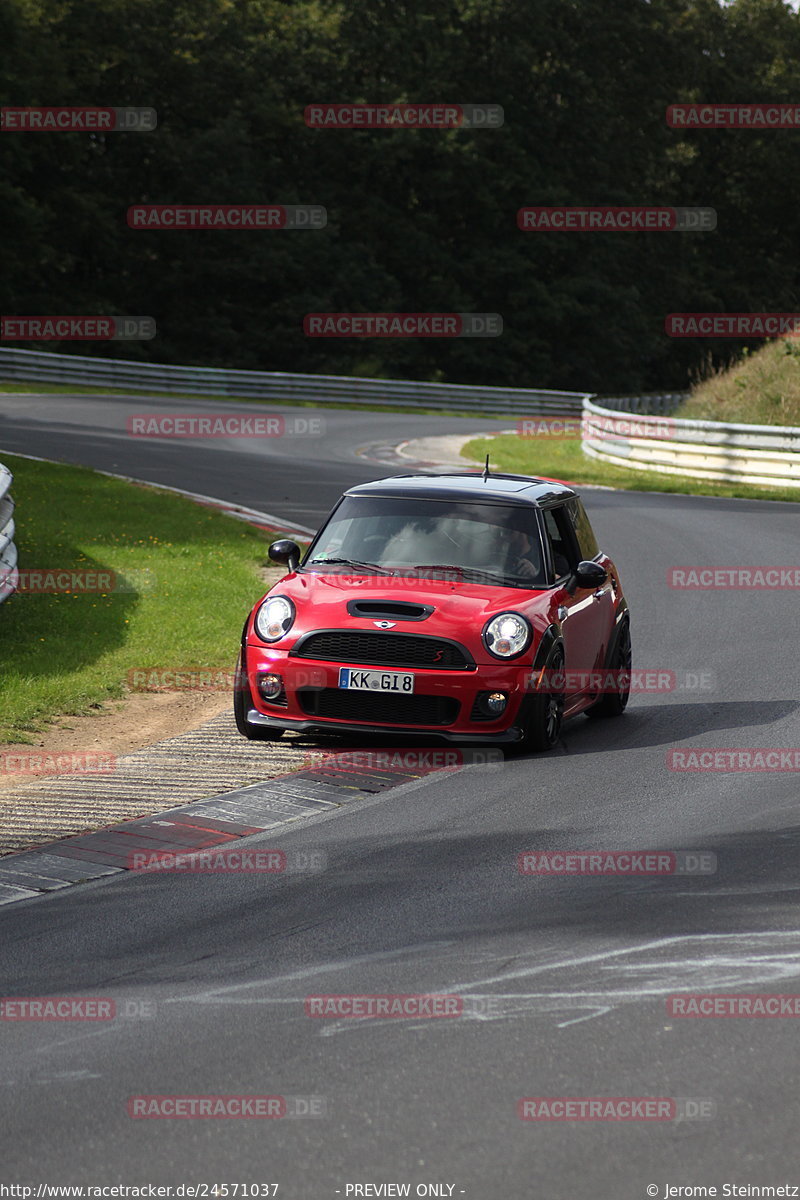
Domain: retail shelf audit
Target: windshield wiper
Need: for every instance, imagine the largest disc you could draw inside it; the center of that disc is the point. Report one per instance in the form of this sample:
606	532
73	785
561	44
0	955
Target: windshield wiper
461	570
352	562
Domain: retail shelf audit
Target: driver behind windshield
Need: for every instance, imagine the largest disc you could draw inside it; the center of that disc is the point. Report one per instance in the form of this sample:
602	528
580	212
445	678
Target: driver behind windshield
523	554
398	534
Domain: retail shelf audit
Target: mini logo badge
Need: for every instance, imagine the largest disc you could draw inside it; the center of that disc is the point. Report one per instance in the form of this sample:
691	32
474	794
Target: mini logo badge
384	624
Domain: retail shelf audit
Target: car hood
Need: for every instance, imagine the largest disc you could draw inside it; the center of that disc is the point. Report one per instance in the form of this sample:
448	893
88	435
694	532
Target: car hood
460	609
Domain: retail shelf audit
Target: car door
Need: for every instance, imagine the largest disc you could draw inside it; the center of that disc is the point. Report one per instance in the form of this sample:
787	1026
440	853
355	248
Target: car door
586	616
588	549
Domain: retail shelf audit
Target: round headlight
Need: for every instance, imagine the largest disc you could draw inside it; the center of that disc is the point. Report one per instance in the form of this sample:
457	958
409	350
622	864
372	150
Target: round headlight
507	635
274	618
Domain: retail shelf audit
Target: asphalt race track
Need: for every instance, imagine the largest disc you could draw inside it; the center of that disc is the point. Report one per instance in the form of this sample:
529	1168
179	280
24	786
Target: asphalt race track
298	477
563	979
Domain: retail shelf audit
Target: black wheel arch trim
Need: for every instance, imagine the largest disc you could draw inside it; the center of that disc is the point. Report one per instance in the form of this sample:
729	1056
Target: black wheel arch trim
550	638
623	619
244	673
623	612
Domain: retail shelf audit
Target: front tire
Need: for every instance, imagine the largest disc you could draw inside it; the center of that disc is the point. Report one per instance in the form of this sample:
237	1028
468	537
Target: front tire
613	704
545	712
242	699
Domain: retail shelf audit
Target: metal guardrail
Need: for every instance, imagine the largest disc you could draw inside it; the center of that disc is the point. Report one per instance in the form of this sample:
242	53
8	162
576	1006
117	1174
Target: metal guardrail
39	366
8	551
652	403
763	454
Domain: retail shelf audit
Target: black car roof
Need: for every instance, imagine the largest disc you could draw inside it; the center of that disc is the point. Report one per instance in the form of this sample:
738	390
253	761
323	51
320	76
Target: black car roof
521	490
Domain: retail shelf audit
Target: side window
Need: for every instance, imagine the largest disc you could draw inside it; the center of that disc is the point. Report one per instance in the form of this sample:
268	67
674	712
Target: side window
587	542
563	545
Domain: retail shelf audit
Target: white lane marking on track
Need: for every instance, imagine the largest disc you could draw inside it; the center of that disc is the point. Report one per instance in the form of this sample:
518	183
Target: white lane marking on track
597	1012
764	958
68	1077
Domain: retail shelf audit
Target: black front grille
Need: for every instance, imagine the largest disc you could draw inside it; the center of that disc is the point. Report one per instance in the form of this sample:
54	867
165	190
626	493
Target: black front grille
371	707
383	650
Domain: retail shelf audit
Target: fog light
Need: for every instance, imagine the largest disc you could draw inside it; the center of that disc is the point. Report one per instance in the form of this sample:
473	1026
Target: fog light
269	686
493	703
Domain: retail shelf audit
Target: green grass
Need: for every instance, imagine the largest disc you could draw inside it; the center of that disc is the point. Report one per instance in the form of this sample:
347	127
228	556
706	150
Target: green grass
68	653
763	388
21	388
564	459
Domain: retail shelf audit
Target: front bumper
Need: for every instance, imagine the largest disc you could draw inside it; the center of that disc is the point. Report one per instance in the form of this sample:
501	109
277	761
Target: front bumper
302	678
321	725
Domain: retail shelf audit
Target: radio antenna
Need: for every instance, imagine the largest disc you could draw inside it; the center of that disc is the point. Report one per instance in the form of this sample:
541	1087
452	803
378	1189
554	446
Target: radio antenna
486	469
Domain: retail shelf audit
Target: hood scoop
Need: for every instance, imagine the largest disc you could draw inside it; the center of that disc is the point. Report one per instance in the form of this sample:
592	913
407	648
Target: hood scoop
399	610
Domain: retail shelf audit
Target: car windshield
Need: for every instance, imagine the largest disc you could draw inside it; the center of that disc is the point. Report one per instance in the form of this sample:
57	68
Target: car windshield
464	541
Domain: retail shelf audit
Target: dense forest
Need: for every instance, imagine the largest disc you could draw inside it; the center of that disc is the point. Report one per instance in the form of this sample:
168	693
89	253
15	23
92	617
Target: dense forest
418	220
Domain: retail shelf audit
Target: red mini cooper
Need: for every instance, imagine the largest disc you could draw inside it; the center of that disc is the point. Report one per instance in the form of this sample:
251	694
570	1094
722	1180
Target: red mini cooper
439	605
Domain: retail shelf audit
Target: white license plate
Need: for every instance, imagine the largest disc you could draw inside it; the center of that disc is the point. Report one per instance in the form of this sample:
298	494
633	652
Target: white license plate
400	682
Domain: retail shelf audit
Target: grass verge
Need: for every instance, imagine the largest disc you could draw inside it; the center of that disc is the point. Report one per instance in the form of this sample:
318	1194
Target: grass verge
185	579
762	388
564	459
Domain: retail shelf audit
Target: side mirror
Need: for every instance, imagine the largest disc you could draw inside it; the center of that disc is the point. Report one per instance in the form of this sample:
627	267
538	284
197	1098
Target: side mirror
286	552
587	574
